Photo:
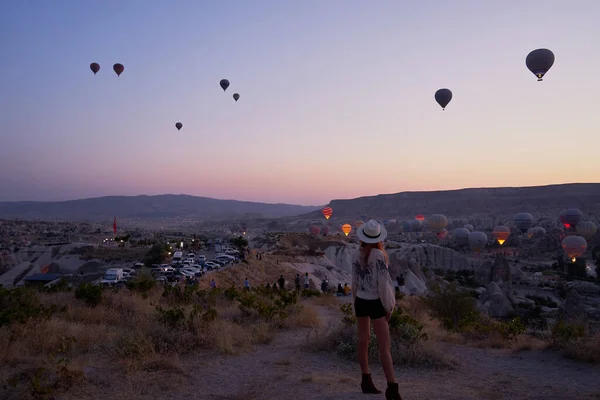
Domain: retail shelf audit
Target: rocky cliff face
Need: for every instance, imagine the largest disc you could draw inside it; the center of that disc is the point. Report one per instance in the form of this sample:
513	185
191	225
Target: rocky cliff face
405	257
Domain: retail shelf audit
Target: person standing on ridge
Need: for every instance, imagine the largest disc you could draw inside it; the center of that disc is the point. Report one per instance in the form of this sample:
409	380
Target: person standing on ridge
281	282
246	284
374	300
400	283
306	281
297	283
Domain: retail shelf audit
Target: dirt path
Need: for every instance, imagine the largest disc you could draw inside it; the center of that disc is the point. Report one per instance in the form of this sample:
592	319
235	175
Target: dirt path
284	370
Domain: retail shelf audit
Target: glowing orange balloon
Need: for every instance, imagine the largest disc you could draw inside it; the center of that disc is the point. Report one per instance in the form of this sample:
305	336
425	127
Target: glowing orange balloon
327	211
501	233
420	217
346	228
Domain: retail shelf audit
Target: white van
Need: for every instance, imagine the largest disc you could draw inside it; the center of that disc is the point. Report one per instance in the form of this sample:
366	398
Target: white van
177	256
112	276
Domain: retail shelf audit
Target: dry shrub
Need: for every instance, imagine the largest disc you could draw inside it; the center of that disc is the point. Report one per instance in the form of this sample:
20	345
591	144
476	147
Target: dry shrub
408	346
262	333
41	338
327	300
229	337
584	349
301	316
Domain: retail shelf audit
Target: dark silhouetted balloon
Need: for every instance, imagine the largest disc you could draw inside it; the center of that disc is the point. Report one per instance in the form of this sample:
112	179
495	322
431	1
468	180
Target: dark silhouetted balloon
477	241
523	221
95	67
443	97
179	125
587	229
539	62
570	217
224	84
461	235
236	96
118	68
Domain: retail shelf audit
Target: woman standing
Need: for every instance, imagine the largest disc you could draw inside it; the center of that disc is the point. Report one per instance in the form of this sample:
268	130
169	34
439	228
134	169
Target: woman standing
374	300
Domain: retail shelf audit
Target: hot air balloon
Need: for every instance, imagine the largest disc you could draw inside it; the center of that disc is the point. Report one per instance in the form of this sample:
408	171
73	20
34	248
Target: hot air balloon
536	230
477	241
386	222
437	222
244	228
118	68
415	225
325	230
461	235
523	221
95	67
469	227
327	211
224	83
420	217
346	228
539	62
570	217
501	233
406	226
442	234
443	97
358	223
236	96
574	246
179	125
587	229
315	230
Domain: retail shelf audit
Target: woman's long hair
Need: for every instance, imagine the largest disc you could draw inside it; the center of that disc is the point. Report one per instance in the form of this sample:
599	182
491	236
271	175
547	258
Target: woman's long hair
365	252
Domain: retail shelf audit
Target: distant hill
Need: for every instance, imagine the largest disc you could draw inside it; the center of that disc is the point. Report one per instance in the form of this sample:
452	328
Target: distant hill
148	207
469	202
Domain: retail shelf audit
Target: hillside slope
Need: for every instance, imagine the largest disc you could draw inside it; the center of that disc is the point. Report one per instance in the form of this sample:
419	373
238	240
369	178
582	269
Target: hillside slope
148	207
469	202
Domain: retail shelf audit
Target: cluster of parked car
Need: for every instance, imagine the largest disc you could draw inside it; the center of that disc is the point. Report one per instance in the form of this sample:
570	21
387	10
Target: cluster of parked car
192	266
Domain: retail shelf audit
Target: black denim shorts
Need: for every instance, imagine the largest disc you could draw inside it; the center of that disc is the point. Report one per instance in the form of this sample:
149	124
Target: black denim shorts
369	308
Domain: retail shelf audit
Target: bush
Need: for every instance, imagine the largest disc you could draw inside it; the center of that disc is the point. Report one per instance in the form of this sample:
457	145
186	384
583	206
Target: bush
91	294
407	341
310	293
141	284
457	311
453	307
564	333
20	305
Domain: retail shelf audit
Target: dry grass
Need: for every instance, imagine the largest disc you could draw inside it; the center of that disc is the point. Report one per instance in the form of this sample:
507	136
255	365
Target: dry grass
259	272
585	349
125	334
327	300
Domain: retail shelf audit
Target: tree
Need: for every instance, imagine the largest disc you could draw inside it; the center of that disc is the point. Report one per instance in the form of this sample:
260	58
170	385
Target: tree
240	243
156	255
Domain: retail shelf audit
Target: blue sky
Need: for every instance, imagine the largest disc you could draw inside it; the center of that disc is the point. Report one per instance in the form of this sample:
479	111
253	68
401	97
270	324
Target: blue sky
336	97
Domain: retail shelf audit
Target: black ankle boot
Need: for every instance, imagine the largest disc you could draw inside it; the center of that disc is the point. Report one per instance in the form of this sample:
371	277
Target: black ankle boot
367	385
392	393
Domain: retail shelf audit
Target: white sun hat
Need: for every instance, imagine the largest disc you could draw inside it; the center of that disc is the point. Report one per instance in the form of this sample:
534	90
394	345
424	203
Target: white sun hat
371	232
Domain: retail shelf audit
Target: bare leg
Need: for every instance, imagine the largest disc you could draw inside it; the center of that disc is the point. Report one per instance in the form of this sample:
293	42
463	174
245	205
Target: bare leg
364	335
382	331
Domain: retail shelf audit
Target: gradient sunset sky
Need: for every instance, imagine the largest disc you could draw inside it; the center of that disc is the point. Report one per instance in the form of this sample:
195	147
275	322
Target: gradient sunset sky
336	97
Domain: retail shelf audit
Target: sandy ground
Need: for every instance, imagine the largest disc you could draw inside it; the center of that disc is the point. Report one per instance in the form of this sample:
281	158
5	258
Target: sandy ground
285	370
